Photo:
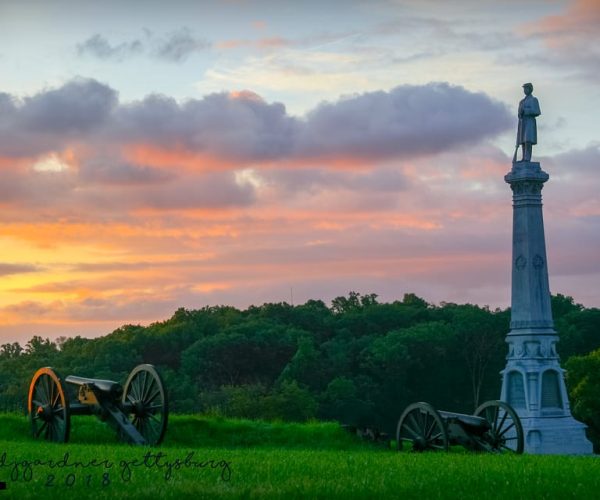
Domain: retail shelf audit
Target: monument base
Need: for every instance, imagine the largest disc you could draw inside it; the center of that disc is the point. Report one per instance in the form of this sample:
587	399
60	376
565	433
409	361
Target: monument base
555	436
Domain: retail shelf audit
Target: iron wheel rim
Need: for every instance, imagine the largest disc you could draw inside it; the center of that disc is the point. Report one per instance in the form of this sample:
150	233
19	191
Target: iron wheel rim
48	407
423	427
145	394
506	432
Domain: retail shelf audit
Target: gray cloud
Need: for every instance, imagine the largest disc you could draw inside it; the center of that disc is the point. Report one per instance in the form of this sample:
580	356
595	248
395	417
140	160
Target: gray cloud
179	45
8	269
78	106
112	171
585	160
175	47
407	121
98	46
295	181
47	120
244	128
213	190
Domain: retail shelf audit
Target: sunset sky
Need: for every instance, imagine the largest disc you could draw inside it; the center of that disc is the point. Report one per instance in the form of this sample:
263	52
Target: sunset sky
156	155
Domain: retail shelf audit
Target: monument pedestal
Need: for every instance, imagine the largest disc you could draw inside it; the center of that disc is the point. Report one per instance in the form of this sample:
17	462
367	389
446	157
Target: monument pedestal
533	381
555	435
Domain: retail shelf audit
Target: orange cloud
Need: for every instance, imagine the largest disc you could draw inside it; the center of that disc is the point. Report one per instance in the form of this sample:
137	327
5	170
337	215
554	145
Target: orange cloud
177	158
274	42
7	163
578	22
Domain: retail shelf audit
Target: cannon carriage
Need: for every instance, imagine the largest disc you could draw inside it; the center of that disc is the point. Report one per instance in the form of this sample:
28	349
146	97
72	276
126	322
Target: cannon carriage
494	427
138	410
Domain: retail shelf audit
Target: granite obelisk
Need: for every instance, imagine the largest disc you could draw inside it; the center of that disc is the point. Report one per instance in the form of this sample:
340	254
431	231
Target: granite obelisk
533	381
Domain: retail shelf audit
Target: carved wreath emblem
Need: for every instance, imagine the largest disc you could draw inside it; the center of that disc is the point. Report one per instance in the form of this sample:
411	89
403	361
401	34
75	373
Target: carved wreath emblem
520	262
538	262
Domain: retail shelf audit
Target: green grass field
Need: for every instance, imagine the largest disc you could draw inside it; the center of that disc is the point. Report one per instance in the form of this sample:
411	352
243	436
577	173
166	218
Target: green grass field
244	459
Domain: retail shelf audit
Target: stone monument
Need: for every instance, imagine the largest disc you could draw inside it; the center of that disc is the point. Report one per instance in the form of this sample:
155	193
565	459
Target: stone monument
533	381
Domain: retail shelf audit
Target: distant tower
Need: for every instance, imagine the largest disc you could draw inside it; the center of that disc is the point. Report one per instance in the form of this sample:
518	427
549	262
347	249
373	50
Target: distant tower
533	381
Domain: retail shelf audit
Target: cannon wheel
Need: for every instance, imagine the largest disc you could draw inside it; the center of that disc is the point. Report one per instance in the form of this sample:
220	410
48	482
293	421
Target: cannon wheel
421	425
48	407
144	392
506	433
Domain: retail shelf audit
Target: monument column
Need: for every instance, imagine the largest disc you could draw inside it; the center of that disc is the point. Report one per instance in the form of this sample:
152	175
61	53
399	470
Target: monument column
533	381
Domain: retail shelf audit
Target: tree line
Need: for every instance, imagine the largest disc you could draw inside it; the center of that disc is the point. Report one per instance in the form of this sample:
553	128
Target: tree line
358	361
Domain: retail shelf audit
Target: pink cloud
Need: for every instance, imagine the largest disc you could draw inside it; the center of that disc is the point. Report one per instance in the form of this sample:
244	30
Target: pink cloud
275	42
572	37
168	217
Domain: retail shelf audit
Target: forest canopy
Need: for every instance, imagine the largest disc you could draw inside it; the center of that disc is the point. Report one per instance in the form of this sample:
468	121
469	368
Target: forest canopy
358	361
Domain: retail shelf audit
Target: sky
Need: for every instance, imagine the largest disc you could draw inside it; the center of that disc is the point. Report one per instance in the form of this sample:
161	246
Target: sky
160	155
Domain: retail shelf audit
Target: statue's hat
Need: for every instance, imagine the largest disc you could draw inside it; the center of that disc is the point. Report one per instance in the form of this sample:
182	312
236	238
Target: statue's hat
528	85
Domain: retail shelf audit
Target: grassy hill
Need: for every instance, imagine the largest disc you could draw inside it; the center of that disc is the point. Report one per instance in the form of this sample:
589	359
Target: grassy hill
213	458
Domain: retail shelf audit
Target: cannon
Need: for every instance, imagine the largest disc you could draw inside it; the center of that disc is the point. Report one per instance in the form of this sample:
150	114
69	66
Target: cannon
494	427
138	410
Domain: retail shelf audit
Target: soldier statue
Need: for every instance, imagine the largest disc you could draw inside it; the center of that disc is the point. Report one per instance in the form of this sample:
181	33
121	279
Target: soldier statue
529	108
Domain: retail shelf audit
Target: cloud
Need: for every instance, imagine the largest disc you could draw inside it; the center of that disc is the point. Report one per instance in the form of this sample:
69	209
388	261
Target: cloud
291	183
237	126
576	171
174	47
179	45
240	128
405	122
439	227
156	204
51	118
9	269
584	161
213	190
98	46
111	171
275	42
572	38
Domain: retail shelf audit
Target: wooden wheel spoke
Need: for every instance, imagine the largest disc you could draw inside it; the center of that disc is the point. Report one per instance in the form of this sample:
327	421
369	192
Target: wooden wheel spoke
54	394
494	417
152	418
143	393
44	388
149	390
49	388
154	395
423	421
501	424
135	389
415	423
485	445
507	429
411	430
41	428
430	428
